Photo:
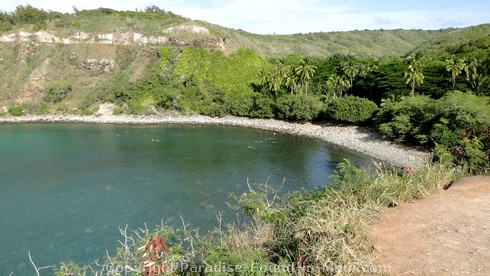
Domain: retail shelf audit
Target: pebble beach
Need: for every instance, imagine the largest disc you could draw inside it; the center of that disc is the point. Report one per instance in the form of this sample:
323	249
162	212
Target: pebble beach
355	138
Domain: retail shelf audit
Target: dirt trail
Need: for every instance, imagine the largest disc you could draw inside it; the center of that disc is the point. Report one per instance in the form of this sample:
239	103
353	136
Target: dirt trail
445	233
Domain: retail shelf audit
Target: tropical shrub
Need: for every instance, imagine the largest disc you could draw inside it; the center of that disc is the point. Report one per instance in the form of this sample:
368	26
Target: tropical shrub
117	110
231	74
239	105
263	107
201	97
463	130
88	111
298	107
5	21
28	15
213	109
351	109
15	111
36	108
458	124
136	106
477	104
409	120
57	91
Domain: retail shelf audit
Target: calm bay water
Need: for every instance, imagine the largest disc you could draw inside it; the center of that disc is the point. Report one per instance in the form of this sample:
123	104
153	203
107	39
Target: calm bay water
65	188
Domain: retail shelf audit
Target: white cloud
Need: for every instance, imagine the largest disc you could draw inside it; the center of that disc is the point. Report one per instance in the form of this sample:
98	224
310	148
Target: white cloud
260	16
293	16
289	16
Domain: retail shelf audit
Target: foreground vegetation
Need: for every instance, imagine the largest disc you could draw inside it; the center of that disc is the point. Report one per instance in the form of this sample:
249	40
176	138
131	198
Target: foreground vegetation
319	232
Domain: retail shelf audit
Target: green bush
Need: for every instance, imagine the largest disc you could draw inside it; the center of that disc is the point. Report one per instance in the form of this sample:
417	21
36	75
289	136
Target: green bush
409	120
62	107
263	107
213	109
136	107
167	98
458	124
421	120
298	107
15	111
39	26
477	104
452	122
464	131
239	105
231	74
397	129
36	108
351	109
117	110
168	56
28	15
5	22
57	91
88	111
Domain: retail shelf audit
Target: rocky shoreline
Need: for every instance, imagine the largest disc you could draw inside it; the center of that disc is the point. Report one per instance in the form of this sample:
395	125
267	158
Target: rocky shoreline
352	137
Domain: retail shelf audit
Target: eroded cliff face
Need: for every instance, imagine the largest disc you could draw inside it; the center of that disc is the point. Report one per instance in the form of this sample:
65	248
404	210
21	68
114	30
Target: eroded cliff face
30	60
126	38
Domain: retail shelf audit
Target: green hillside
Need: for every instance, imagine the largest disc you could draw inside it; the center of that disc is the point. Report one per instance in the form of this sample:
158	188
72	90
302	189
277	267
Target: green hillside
377	43
475	40
101	55
155	21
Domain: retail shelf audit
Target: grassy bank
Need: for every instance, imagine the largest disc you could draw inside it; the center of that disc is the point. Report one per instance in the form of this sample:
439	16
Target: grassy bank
321	232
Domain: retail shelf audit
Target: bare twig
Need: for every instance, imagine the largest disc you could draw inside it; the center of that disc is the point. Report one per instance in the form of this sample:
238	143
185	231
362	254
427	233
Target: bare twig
33	264
219	217
131	269
37	269
128	240
188	234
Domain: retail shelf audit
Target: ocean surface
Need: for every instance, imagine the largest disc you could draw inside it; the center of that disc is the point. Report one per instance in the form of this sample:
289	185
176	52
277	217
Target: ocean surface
65	189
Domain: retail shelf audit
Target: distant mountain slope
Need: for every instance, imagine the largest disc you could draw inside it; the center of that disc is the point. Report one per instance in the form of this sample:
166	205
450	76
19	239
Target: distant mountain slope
376	43
455	41
156	22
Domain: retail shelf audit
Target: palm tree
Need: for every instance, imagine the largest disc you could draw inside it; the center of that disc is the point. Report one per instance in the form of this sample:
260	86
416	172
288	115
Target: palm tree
282	68
290	81
471	69
336	83
304	72
478	81
391	99
263	77
274	84
287	75
270	82
455	67
365	69
414	76
351	70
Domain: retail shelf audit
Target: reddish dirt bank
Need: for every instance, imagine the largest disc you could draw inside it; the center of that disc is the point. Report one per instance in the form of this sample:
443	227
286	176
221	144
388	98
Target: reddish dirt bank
445	233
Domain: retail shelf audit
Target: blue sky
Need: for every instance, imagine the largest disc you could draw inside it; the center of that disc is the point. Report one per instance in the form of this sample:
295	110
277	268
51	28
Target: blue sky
300	16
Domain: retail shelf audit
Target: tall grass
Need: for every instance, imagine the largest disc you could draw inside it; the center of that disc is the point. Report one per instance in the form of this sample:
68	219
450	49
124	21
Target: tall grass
323	233
331	235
